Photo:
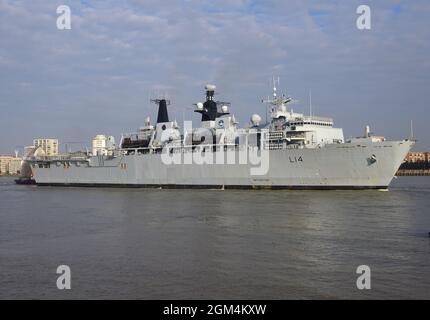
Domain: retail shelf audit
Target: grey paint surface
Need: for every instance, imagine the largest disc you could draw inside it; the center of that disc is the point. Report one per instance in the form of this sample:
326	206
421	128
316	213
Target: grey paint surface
335	165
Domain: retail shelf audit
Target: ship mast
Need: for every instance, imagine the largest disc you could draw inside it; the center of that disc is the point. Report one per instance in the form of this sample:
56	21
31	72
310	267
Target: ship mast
277	103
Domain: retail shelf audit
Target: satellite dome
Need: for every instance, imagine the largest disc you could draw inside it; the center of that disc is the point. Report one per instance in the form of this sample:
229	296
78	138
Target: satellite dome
255	119
224	109
199	105
210	87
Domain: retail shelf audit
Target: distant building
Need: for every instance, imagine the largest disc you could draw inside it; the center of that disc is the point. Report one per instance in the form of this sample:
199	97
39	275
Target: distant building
415	164
102	145
110	145
49	146
417	157
99	145
28	150
10	165
4	164
15	166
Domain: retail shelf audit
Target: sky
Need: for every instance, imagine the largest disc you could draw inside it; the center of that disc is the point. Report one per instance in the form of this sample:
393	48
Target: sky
99	76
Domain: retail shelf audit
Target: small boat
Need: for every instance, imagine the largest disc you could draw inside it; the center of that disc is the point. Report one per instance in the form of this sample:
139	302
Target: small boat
25	180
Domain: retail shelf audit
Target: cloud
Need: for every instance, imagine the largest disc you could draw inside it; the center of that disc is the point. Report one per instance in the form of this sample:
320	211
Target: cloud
99	76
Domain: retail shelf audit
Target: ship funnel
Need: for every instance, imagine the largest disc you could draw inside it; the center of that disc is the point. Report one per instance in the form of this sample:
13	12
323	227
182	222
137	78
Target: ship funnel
163	115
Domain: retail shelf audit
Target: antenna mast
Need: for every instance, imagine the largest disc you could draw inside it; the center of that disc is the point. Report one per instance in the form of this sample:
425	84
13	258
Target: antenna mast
411	134
275	82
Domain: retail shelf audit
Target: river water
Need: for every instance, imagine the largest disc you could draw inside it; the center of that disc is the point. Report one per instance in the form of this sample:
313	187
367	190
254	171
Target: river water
214	244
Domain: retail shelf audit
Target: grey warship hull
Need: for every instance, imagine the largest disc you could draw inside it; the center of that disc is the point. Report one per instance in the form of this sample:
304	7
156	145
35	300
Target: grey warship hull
335	166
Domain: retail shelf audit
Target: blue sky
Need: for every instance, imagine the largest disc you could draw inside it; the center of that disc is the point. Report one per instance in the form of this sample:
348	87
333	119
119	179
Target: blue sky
98	77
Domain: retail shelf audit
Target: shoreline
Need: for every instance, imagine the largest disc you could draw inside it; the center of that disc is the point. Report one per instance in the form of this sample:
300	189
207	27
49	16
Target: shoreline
413	172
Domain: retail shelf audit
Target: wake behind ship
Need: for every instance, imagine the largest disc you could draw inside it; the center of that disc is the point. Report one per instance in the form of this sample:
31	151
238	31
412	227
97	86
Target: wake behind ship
292	151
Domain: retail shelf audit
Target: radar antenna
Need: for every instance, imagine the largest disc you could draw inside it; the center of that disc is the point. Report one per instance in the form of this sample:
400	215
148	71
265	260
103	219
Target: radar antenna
277	100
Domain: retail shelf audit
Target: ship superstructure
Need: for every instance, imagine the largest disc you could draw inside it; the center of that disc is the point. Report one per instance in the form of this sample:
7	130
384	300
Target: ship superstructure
292	150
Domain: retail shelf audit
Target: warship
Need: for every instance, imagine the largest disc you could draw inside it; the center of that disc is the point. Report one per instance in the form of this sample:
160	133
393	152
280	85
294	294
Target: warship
289	151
